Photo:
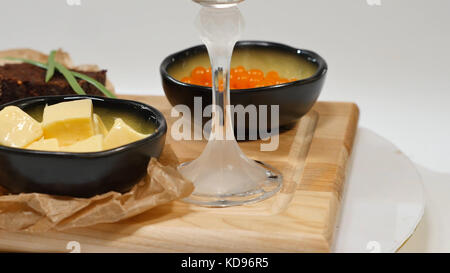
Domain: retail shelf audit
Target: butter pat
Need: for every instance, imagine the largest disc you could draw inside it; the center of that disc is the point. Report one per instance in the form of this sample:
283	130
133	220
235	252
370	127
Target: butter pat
92	144
99	126
121	134
51	145
69	122
17	128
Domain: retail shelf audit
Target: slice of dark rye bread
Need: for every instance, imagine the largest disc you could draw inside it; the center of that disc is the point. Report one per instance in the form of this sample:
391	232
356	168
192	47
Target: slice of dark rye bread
23	80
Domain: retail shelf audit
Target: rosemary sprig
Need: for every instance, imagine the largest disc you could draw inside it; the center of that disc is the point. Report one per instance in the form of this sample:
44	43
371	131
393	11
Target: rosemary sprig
50	66
69	75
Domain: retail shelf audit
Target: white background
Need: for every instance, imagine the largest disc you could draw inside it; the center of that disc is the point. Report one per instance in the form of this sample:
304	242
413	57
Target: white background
393	60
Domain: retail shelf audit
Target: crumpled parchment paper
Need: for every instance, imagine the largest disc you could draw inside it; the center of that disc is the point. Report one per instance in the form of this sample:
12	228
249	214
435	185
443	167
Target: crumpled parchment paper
37	212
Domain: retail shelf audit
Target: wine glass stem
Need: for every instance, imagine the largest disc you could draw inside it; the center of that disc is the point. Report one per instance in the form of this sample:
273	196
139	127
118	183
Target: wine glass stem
222	174
222	126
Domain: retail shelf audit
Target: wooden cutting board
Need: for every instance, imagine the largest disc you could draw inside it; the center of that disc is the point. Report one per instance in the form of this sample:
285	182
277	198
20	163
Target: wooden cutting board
301	218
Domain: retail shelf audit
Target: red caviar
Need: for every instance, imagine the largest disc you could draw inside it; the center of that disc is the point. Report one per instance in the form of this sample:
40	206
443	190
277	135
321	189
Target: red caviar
240	78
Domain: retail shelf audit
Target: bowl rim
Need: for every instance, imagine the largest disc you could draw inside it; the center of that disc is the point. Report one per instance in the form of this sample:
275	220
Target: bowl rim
310	55
159	132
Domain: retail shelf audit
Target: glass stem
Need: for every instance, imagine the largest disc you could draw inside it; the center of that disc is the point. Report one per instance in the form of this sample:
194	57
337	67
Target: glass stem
222	125
222	174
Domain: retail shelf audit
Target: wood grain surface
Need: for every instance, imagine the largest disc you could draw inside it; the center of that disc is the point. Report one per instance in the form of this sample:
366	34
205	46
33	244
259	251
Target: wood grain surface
301	218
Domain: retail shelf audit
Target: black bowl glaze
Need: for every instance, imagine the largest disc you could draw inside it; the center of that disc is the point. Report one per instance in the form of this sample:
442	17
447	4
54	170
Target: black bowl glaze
295	99
82	174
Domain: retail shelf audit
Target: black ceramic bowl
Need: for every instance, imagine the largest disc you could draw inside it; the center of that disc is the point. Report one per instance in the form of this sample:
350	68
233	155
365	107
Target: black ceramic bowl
82	174
294	98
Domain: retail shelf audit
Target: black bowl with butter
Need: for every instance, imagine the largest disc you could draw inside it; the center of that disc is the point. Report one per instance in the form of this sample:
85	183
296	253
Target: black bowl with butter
83	174
294	98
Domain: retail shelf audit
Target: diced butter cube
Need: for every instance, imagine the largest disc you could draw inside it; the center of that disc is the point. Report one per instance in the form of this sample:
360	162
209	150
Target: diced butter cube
69	122
92	144
51	145
17	128
99	126
121	134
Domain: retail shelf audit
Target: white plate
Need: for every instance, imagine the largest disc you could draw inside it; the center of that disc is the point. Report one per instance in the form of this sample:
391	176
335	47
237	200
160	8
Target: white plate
383	199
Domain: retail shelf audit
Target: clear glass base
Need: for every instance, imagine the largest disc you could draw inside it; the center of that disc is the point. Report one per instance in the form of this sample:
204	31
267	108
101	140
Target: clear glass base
265	189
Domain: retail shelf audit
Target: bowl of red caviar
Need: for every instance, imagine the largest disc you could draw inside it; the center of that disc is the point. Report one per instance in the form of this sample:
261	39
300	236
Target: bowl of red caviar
262	74
240	78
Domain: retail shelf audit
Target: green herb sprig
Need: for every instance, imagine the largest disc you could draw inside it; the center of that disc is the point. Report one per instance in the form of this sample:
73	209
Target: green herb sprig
70	78
50	66
68	74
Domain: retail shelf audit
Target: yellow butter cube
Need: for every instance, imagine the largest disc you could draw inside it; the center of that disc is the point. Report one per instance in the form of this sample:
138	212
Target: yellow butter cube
121	134
92	144
69	122
51	145
99	126
17	128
